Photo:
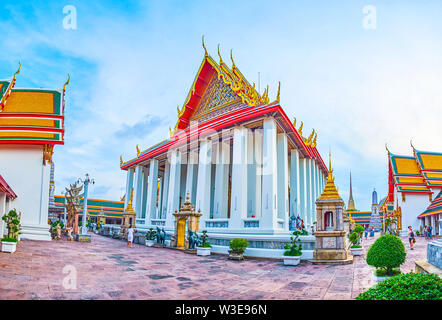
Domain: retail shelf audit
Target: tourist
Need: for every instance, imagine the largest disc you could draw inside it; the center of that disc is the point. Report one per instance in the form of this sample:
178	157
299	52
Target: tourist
313	230
411	238
430	229
302	224
130	236
366	232
371	232
426	232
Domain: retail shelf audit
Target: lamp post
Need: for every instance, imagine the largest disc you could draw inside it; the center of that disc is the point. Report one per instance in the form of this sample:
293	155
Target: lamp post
86	182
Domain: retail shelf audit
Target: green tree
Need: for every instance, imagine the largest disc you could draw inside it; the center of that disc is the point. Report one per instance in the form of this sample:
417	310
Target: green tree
387	252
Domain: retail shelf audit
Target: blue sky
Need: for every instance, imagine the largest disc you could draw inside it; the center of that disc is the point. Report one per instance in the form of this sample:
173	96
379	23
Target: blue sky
132	62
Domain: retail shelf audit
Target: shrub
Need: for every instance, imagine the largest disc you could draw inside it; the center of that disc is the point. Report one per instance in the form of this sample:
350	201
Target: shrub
293	249
354	238
359	229
203	240
387	252
6	239
407	286
151	234
238	245
12	220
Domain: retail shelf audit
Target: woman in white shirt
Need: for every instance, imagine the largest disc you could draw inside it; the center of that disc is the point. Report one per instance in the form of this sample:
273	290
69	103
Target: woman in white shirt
130	236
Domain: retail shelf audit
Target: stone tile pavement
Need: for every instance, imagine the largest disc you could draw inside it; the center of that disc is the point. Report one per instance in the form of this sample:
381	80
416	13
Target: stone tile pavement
107	269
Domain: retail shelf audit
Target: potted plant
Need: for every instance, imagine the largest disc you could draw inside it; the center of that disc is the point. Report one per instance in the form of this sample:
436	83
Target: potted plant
386	254
12	219
292	255
237	248
356	248
151	235
204	246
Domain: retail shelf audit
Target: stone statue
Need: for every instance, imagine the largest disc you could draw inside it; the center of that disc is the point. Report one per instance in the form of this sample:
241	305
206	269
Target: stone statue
73	206
193	239
58	232
161	236
69	233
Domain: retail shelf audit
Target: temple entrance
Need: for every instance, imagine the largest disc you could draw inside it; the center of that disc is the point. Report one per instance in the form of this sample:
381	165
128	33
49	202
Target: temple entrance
181	234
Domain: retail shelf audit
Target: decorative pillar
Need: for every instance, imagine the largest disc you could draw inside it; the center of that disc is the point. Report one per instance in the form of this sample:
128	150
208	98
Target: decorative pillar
204	180
138	187
238	200
160	198
145	188
309	192
251	175
129	185
152	185
295	195
258	180
164	201
221	179
269	173
283	179
173	197
303	189
192	174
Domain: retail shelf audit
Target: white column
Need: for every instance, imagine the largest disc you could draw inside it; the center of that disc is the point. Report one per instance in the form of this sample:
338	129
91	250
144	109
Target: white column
2	212
295	195
144	191
152	183
314	191
173	197
138	187
165	199
283	179
269	173
309	191
221	179
238	201
160	198
204	181
303	188
129	185
192	173
251	175
258	159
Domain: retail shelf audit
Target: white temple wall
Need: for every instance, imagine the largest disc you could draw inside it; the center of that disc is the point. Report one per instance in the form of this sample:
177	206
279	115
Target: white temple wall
192	174
282	180
174	187
204	180
165	199
22	168
258	134
138	191
251	175
221	179
152	188
303	188
413	206
294	183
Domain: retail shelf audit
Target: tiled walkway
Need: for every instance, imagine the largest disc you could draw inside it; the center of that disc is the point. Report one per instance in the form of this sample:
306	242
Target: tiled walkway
107	269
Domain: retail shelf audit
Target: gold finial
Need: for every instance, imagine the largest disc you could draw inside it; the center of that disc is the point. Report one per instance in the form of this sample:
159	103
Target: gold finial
205	50
294	122
330	190
121	161
170	132
310	137
67	82
17	72
279	89
231	58
220	58
329	160
386	148
129	207
314	140
138	151
411	143
180	112
300	128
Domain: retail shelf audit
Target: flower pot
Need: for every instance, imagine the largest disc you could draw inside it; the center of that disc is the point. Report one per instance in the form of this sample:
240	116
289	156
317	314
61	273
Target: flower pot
292	260
9	246
235	255
203	251
356	251
150	243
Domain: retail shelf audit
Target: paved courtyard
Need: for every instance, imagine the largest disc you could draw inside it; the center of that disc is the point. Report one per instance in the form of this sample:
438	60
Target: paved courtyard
107	269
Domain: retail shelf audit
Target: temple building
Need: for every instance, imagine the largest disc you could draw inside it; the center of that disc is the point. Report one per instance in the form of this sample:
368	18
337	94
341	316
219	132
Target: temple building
413	183
111	211
243	162
31	124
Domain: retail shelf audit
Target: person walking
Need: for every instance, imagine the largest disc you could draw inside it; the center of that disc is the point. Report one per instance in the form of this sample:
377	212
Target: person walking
411	238
426	232
130	236
366	232
430	231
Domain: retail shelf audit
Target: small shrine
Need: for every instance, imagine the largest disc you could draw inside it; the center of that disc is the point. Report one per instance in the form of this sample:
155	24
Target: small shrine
188	219
330	233
127	219
101	218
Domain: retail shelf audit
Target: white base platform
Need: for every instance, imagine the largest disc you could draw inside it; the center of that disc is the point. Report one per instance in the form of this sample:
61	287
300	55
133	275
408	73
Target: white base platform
35	232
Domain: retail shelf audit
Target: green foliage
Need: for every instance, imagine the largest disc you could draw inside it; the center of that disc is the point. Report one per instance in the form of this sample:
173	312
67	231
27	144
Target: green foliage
383	272
151	234
304	232
386	252
6	239
203	240
356	246
407	286
238	245
359	229
354	237
293	248
12	220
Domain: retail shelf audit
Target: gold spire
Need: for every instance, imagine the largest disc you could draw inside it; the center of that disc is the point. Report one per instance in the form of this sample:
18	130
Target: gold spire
279	89
138	151
129	204
351	203
205	50
121	161
330	191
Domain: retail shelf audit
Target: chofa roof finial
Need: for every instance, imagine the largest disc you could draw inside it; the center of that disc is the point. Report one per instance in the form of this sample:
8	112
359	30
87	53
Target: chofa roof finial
204	46
220	58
